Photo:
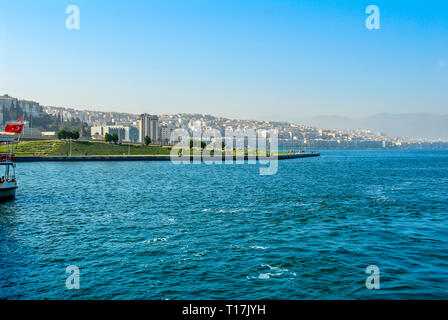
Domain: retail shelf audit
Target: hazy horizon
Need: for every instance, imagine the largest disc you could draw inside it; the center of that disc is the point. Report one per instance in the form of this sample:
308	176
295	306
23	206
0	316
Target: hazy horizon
276	118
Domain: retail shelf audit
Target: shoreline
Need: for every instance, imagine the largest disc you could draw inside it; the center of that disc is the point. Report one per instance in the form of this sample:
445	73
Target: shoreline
150	158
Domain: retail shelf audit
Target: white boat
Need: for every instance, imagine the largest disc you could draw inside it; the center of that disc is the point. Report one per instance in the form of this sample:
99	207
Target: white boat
8	181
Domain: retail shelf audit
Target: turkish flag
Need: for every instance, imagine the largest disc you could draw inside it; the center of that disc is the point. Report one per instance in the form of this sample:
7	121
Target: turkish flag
14	128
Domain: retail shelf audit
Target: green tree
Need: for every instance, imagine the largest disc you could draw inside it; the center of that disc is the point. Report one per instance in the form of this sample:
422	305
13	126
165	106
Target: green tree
107	138
115	138
147	140
62	134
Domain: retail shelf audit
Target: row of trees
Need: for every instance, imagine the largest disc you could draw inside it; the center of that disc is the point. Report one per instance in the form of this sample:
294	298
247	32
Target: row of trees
64	134
111	137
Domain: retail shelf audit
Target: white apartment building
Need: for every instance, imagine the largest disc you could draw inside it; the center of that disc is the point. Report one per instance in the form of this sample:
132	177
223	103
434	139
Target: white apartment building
148	127
165	134
125	133
30	107
7	103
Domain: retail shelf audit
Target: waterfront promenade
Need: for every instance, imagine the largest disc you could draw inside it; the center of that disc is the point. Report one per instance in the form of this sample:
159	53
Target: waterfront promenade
149	157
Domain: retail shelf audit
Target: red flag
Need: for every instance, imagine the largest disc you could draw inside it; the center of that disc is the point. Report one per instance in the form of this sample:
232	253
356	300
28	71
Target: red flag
14	128
20	119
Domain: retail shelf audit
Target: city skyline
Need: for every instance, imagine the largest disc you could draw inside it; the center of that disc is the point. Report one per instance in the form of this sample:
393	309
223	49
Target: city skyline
265	61
401	128
94	125
92	108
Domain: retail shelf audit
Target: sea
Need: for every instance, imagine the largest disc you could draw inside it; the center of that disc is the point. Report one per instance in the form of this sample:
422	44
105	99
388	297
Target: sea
159	231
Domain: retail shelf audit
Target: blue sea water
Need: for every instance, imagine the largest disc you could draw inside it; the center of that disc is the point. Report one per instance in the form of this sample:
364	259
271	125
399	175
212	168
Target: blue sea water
154	230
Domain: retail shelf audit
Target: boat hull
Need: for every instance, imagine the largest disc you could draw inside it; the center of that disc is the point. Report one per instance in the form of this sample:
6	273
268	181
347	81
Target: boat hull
7	194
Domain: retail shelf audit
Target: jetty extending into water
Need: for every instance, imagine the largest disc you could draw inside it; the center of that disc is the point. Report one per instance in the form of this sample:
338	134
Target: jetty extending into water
152	157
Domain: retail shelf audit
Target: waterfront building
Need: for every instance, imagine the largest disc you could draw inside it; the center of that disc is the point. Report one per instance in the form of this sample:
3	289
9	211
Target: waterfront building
165	134
11	108
49	134
7	104
124	133
31	108
148	127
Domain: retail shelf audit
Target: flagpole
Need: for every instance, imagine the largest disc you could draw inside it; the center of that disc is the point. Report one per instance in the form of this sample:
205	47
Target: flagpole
15	128
21	132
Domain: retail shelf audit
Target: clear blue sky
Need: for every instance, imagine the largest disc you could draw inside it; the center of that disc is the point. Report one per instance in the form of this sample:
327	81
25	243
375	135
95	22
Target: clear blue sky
256	59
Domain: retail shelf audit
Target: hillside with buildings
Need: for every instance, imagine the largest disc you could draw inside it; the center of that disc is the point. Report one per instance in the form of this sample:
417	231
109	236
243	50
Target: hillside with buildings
42	122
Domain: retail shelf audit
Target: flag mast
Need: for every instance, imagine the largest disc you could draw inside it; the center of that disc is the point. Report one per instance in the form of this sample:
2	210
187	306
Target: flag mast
21	131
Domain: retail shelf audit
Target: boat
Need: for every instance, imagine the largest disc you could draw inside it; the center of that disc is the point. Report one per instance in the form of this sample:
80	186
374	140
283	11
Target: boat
8	181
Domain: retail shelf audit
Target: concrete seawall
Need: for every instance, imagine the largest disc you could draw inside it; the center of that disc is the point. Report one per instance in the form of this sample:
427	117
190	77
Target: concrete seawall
144	158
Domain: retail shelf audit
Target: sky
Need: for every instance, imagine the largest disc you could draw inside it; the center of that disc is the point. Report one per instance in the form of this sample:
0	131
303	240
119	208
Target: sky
249	59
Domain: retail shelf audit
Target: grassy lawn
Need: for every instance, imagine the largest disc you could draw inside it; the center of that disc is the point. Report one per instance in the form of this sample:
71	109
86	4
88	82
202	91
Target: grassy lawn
38	148
82	148
87	148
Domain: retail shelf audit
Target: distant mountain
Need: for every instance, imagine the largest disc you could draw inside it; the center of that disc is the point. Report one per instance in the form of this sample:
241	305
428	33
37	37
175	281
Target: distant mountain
412	125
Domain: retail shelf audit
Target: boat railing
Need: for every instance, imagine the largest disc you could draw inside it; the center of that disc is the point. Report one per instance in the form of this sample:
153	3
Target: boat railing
8	154
6	157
